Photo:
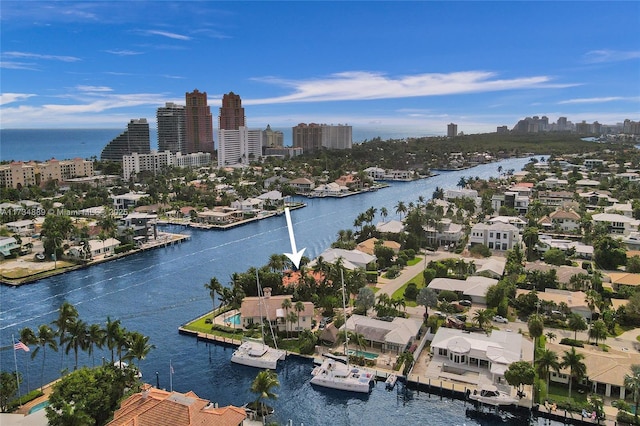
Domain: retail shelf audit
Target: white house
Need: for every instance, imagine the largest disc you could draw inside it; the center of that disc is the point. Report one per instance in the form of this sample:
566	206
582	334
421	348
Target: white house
375	173
248	205
460	352
474	287
391	227
103	248
625	209
618	224
21	227
329	190
446	232
7	244
124	201
497	236
352	259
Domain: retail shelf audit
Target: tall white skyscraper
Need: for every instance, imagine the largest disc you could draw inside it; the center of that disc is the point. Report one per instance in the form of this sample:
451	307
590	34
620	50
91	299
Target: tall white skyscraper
239	146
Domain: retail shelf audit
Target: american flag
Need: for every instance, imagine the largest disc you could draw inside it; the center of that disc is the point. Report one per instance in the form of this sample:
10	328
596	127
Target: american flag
19	345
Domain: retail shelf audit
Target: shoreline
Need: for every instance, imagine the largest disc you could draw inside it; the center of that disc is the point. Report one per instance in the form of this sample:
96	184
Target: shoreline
173	239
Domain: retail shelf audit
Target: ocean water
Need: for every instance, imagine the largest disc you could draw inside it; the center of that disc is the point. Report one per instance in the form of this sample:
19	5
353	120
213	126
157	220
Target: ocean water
44	144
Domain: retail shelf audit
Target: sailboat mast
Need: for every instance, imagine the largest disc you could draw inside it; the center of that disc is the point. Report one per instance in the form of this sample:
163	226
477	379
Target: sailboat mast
344	313
260	306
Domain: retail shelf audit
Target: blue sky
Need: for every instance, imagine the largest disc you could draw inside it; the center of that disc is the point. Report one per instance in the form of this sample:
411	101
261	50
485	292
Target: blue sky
404	64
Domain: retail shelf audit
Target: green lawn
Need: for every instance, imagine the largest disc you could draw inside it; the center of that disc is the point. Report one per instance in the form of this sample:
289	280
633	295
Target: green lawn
399	293
560	395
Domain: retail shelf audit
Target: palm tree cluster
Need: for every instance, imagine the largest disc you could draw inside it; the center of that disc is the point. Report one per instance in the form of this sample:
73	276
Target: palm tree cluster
72	334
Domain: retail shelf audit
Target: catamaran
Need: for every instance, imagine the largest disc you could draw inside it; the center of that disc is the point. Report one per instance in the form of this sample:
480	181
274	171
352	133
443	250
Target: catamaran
254	352
335	372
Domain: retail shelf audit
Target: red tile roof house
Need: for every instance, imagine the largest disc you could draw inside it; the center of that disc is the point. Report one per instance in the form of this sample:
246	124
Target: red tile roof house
156	407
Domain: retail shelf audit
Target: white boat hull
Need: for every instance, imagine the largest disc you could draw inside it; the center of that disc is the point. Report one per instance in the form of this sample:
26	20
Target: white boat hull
258	355
335	375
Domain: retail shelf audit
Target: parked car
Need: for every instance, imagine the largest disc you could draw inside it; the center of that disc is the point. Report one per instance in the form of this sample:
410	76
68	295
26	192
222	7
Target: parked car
501	319
464	302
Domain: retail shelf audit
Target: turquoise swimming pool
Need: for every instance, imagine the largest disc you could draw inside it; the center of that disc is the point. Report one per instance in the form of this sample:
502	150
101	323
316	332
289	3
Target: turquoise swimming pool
367	355
39	406
235	320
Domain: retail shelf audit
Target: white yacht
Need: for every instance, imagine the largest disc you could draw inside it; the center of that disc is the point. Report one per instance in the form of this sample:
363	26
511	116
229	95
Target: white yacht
335	372
255	353
490	395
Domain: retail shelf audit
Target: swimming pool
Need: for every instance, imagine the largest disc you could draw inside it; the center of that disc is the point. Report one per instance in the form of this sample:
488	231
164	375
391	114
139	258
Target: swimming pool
367	355
39	406
235	320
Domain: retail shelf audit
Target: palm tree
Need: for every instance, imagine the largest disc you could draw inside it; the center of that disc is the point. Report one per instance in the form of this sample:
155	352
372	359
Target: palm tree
286	305
546	360
550	335
77	338
632	382
138	346
276	262
401	208
536	328
96	337
299	307
292	317
598	331
576	323
28	337
215	287
384	213
67	313
573	361
46	337
112	333
263	385
482	317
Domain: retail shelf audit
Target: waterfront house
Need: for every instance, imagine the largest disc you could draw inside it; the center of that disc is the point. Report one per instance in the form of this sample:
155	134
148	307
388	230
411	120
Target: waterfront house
271	199
254	310
143	225
473	288
302	185
219	216
154	406
249	205
104	248
460	352
496	236
375	173
605	371
388	336
329	190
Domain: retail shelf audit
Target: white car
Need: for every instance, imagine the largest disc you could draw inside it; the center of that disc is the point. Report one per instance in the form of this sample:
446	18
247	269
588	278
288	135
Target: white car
503	320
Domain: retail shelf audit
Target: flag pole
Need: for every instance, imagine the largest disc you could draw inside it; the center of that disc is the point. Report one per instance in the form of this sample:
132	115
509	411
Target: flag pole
15	360
170	376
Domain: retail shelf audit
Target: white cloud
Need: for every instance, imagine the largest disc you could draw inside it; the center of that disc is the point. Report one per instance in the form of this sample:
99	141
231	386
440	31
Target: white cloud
363	85
41	56
599	100
7	98
123	52
168	34
13	65
599	56
94	89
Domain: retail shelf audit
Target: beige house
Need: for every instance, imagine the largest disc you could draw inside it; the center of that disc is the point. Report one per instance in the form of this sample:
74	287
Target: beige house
575	300
368	246
254	309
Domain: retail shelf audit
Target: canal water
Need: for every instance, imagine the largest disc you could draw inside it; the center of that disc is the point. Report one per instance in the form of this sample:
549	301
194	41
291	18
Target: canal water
157	291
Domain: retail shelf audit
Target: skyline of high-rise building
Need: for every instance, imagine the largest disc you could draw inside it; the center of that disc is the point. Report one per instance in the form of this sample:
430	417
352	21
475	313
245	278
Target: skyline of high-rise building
171	128
311	137
134	139
199	123
231	113
452	130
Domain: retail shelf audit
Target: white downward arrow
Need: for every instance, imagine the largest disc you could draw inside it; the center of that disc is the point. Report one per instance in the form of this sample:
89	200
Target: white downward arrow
295	255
